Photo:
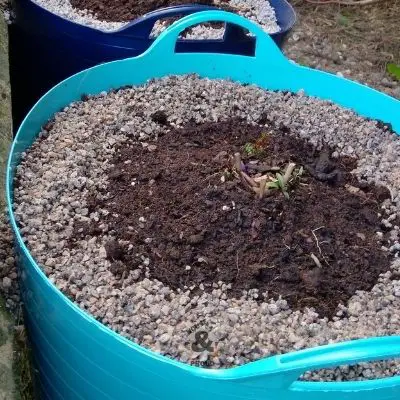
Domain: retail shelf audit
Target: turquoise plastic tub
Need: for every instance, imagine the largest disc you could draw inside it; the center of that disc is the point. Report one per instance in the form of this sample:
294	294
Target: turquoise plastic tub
79	358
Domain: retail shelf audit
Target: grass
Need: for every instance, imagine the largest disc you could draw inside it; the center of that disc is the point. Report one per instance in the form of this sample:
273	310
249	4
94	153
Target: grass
373	29
23	365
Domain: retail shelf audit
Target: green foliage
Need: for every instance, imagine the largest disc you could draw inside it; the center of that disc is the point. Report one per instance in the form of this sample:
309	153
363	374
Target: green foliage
249	149
394	70
258	147
280	184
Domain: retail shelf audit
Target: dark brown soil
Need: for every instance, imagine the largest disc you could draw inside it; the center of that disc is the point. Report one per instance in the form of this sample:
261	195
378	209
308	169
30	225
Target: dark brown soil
128	10
169	204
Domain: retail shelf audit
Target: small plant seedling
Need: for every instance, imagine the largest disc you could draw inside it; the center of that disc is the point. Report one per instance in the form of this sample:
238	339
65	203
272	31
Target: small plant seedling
262	142
280	184
262	185
249	149
258	147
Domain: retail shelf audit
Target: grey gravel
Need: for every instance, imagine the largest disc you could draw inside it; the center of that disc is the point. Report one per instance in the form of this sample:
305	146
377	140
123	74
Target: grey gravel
57	174
258	11
64	9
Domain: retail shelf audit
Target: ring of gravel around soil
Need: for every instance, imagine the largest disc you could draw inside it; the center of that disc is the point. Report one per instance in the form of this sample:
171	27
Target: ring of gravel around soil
103	15
75	159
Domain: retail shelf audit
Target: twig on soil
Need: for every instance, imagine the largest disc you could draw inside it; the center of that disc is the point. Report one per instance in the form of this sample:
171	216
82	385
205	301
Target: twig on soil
211	176
249	180
237	264
315	259
318	243
316	239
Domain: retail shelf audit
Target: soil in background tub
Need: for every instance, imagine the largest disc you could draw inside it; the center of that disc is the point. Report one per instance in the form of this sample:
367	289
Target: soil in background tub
128	10
209	203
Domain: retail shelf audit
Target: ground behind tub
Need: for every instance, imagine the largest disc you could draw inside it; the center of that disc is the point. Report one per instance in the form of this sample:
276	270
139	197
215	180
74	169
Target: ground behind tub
14	355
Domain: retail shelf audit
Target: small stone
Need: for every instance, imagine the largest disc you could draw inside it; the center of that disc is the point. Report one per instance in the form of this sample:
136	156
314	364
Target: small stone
155	312
355	309
165	310
233	318
7	282
273	308
360	235
165	338
135	274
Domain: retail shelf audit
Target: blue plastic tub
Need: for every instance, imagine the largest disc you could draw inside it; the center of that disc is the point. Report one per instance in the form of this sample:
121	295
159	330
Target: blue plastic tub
51	48
79	358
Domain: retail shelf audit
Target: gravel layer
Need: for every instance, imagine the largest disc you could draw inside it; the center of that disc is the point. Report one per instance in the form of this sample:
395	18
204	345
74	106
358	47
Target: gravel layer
57	174
64	9
258	11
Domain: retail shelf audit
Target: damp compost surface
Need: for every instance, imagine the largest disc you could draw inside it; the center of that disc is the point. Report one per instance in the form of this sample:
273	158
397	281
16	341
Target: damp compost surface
127	10
181	204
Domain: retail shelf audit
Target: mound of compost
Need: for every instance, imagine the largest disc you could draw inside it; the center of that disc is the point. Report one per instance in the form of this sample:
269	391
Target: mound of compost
184	208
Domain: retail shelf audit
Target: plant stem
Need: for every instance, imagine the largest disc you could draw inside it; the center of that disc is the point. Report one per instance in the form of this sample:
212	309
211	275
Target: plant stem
238	162
261	192
248	179
288	173
315	259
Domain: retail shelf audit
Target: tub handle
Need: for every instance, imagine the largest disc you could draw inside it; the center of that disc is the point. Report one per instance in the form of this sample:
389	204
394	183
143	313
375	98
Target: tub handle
165	44
285	369
143	26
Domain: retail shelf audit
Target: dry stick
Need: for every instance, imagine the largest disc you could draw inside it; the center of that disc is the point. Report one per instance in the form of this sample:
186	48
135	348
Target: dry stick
243	175
259	179
316	239
238	162
261	192
317	243
237	264
248	179
288	173
315	259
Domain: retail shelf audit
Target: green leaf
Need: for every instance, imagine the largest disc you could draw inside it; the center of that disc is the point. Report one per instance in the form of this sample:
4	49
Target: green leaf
249	149
273	185
394	70
286	194
279	177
